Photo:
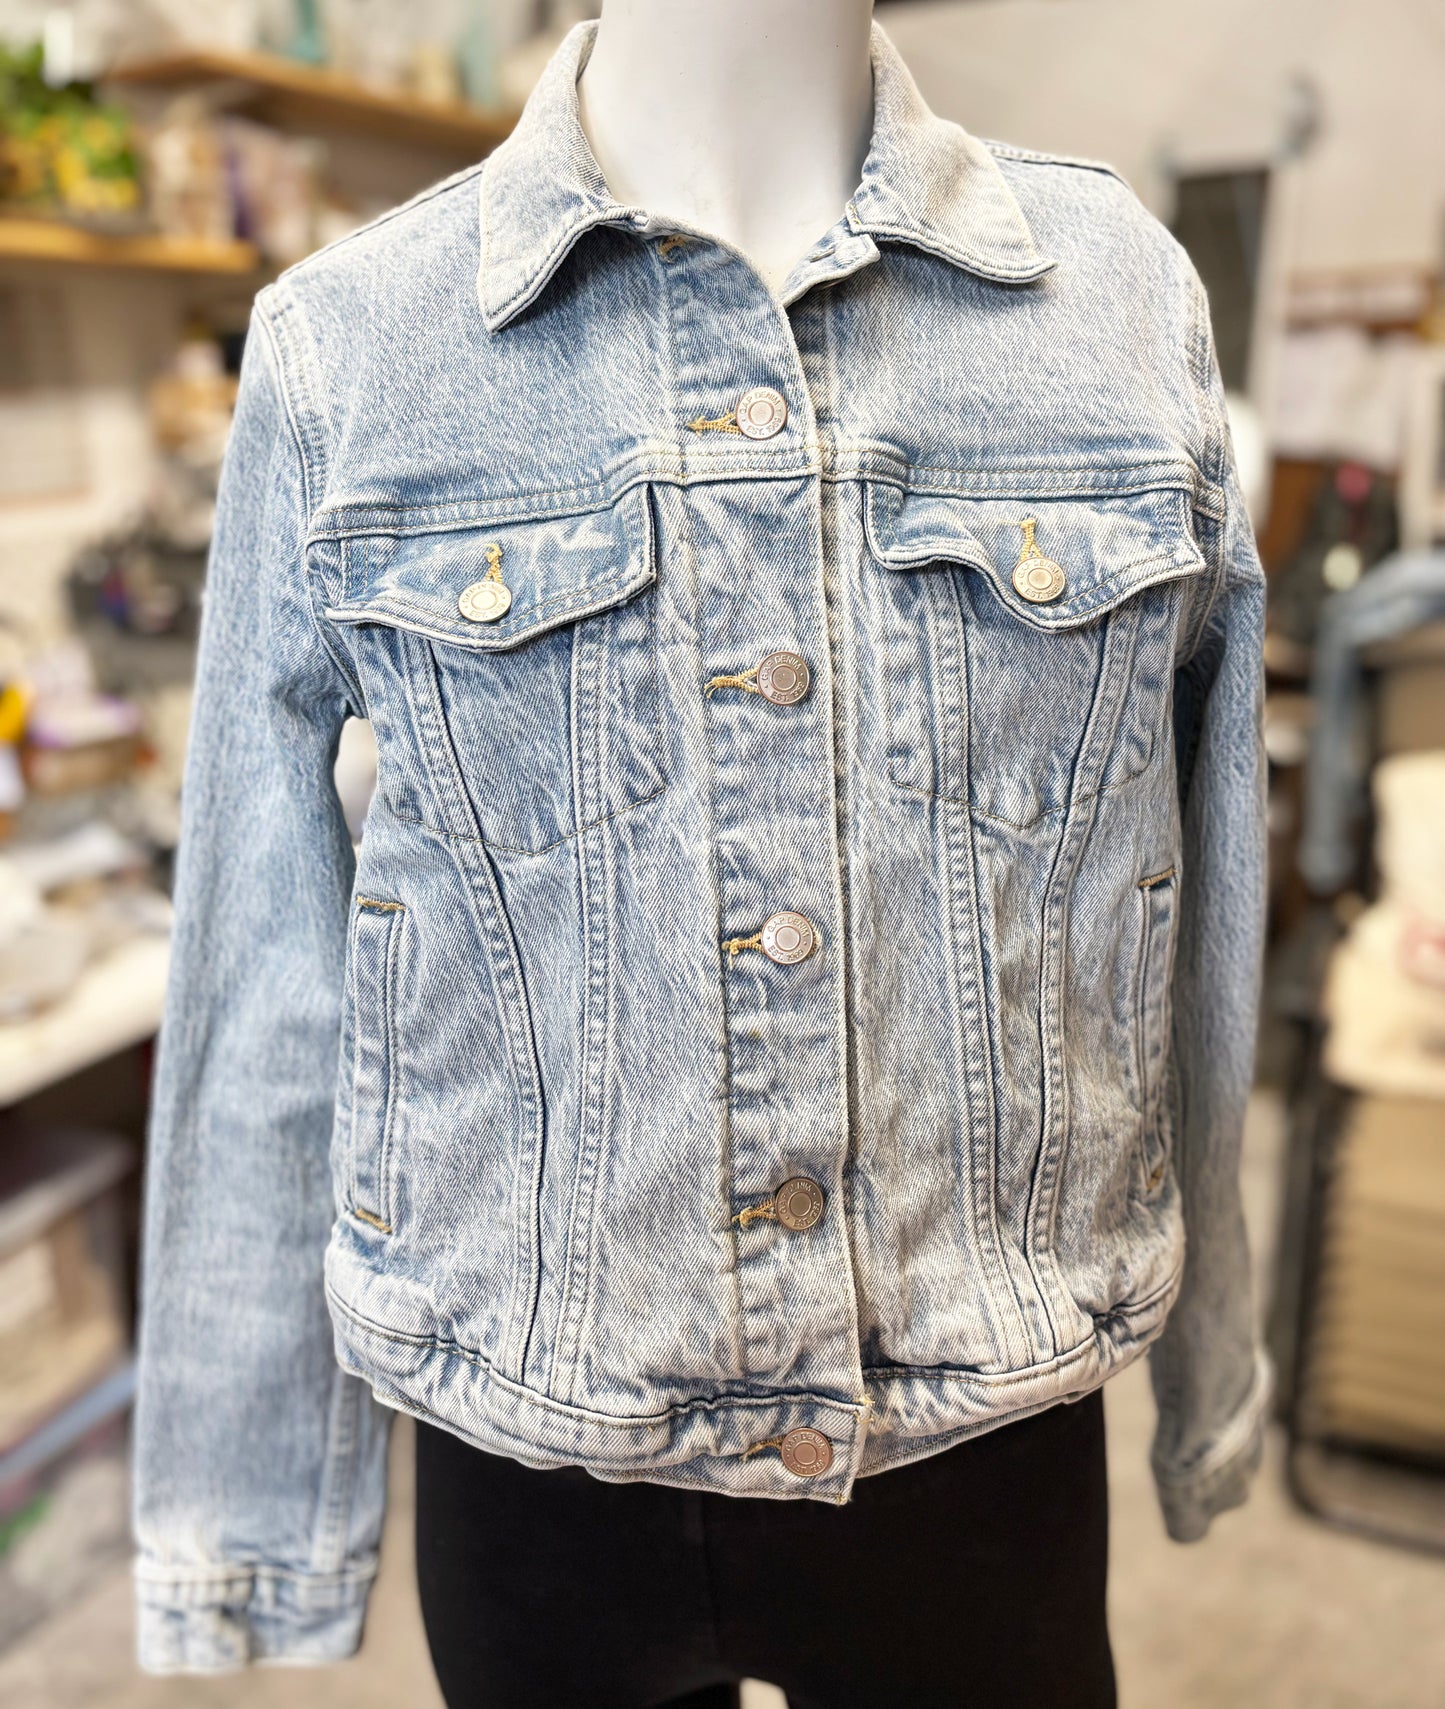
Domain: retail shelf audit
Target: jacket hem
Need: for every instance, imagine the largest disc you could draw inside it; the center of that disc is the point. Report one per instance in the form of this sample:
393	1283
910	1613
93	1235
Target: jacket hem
222	1619
711	1443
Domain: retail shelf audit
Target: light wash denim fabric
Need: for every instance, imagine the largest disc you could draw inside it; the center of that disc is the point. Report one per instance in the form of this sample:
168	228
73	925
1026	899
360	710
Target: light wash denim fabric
482	1123
1400	594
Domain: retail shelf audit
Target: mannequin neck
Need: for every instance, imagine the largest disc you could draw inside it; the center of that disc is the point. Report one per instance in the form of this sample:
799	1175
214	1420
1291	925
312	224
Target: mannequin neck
748	118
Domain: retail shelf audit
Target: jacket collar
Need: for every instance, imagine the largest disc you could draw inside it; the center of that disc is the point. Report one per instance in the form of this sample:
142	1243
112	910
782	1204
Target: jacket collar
925	180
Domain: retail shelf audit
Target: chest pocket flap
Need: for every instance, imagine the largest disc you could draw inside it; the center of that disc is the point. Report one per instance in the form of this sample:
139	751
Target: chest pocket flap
522	729
557	569
1108	546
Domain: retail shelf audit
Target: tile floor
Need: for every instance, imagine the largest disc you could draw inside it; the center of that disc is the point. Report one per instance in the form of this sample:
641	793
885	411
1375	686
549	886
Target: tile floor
1272	1611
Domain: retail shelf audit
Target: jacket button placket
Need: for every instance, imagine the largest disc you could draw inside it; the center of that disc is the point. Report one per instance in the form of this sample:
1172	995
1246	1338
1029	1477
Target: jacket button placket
763	657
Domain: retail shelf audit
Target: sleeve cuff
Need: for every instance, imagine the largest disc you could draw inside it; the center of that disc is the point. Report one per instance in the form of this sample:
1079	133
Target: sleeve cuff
194	1621
1223	1475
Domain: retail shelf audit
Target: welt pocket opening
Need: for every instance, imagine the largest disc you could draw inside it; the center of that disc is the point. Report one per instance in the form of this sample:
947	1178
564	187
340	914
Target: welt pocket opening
1157	922
376	949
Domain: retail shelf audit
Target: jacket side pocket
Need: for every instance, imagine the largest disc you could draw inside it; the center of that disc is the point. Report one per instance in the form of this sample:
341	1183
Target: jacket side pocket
1157	897
375	939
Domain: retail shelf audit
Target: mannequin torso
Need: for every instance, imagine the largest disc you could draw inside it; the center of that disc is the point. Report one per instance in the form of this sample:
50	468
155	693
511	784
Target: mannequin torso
750	120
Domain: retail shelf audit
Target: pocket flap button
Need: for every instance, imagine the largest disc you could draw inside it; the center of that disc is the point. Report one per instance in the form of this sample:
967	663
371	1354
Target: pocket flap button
1037	578
490	598
485	601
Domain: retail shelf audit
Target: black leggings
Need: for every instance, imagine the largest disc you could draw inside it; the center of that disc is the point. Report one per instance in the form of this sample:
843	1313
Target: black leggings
973	1579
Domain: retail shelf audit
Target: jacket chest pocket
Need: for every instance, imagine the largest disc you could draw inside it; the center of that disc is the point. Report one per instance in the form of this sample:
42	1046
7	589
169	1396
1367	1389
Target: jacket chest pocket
510	671
1026	645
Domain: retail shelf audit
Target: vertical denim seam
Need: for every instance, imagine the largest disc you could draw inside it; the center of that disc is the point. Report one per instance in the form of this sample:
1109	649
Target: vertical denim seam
1167	1376
572	1307
959	869
291	390
332	642
961	854
1211	453
943	606
582	1202
849	716
477	870
1110	695
275	342
560	1378
425	698
831	707
586	742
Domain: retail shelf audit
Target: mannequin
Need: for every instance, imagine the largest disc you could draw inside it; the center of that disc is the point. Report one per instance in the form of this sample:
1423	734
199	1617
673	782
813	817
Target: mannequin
749	120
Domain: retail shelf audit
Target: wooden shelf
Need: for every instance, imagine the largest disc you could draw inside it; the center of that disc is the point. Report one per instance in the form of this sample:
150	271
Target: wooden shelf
296	96
117	1001
53	240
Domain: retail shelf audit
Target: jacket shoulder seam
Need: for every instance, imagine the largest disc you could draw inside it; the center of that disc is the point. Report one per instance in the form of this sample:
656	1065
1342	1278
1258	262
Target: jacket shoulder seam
1211	450
443	187
298	438
279	375
1041	157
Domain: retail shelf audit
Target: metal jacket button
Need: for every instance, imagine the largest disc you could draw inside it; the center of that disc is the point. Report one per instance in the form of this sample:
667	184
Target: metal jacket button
484	601
490	598
807	1453
788	938
1038	579
783	678
798	1203
761	412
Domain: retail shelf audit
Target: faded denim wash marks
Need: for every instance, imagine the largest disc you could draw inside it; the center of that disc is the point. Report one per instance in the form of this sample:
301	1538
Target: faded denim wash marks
463	1122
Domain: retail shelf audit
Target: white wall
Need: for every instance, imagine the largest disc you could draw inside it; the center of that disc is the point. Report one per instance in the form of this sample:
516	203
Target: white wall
1130	81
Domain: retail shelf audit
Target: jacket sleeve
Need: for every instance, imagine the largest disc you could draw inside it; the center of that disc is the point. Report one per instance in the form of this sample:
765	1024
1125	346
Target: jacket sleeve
1212	1377
258	1464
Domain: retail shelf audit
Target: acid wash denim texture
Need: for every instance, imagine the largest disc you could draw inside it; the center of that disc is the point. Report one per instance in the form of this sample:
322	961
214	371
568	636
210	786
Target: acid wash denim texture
483	1120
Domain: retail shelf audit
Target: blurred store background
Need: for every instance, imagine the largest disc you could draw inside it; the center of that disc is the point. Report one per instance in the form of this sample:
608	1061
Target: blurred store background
160	160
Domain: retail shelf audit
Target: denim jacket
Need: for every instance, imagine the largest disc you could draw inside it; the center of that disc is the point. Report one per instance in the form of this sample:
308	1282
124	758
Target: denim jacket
791	1006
